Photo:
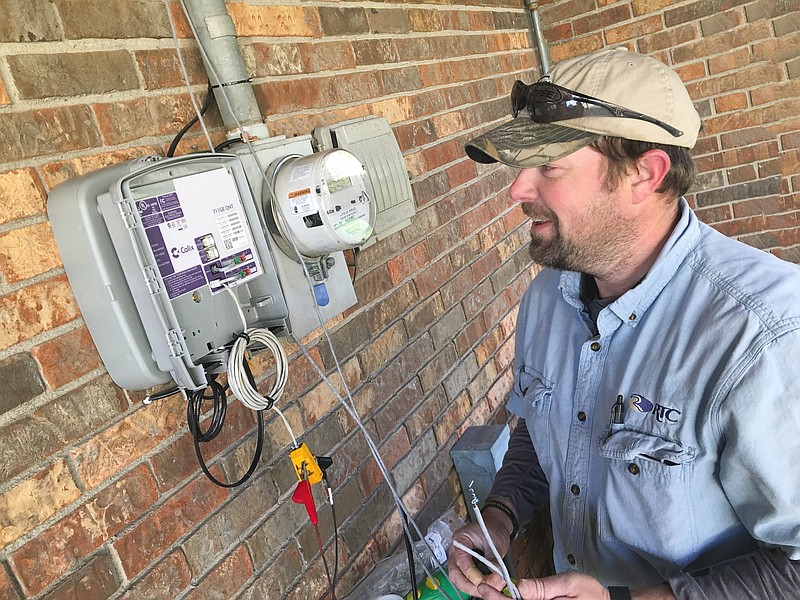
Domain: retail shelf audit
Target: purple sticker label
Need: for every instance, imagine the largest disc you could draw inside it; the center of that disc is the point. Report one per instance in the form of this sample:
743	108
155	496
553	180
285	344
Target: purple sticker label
169	201
147	206
184	282
152	220
160	251
173	213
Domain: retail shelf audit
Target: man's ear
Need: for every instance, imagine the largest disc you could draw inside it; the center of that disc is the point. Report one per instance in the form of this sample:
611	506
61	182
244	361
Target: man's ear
652	166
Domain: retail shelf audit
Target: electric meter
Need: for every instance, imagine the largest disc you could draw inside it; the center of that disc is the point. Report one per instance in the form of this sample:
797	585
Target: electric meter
322	203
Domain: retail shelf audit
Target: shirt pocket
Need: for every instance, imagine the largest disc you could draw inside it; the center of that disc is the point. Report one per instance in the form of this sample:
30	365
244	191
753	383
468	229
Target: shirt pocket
536	393
645	503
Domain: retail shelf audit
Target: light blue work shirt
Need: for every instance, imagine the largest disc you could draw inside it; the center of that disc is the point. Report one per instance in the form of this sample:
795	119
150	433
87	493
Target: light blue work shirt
704	464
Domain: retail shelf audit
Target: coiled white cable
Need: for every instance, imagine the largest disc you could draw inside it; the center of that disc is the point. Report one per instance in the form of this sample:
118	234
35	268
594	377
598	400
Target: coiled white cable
237	378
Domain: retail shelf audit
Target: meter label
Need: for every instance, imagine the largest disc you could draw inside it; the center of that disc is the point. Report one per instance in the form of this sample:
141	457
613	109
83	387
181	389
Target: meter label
301	172
300	202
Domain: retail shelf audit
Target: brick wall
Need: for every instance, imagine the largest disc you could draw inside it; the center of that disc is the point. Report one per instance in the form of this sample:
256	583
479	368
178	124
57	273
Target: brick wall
101	497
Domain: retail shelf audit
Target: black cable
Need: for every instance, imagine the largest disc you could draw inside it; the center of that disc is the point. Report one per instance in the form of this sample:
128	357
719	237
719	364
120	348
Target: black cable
178	136
356	250
324	463
410	551
223	145
193	415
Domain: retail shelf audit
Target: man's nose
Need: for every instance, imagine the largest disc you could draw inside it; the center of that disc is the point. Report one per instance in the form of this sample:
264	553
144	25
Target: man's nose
523	188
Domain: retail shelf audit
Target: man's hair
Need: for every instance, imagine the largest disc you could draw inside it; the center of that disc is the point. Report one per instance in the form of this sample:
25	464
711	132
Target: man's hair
622	153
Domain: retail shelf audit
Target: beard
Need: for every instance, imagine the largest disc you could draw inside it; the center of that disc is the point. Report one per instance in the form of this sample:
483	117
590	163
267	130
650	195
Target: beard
601	241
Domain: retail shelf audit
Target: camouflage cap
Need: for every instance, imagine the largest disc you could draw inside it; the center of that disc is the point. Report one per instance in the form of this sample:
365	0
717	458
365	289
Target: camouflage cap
628	79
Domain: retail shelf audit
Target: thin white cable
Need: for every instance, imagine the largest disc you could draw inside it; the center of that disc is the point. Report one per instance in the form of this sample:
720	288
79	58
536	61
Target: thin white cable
185	75
505	574
493	567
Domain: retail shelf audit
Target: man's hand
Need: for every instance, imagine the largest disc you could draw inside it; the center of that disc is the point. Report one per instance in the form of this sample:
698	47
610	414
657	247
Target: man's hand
561	587
461	569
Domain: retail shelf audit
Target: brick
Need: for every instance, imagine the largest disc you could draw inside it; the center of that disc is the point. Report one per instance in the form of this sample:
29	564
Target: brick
67	357
403	80
275	532
160	67
346	339
409	262
56	424
366	519
7	590
383	348
25	313
24	195
97	580
765	187
721	22
562	11
392	307
576	47
718	44
669	39
385	21
419	456
275	21
72	74
47	131
166	580
326	56
599	20
401	369
29	21
20	380
124	442
264	60
394	448
437	367
698	10
128	120
445	329
429	281
224	581
312	584
276	580
731	102
419	319
744	78
166	524
769	9
5	100
736	59
375	52
424	20
643	7
114	19
636	29
30	503
27	252
58	549
397	409
343	21
786	25
296	95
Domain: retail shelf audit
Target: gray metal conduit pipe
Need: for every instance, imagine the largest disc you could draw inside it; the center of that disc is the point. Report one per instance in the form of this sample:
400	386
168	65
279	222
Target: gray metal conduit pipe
535	27
215	31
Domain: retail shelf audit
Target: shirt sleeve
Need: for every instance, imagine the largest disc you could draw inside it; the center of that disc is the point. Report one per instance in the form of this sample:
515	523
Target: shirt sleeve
762	574
520	480
757	425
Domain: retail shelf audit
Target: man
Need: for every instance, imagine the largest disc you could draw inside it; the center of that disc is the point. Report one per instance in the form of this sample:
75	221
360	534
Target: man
656	360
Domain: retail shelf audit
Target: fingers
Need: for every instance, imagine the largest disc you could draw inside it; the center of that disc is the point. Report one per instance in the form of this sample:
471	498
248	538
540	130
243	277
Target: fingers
462	572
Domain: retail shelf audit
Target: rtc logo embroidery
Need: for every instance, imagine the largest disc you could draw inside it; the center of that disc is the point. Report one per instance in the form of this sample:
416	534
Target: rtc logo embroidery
660	412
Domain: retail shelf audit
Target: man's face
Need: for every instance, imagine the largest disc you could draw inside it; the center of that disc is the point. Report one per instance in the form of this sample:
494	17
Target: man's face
577	224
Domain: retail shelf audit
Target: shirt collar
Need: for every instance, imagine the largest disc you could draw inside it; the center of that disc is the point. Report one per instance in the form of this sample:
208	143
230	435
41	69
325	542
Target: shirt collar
631	306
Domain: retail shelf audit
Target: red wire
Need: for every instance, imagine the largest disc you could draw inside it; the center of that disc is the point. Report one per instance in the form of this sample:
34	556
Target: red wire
325	562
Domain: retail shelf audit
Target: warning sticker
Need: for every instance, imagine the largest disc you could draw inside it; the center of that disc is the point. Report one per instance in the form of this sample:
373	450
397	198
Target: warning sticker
300	202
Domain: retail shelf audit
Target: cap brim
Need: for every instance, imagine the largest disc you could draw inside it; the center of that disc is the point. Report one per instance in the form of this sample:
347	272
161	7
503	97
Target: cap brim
525	143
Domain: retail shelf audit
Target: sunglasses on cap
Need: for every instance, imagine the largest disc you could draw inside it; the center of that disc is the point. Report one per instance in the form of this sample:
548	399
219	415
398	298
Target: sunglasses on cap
547	102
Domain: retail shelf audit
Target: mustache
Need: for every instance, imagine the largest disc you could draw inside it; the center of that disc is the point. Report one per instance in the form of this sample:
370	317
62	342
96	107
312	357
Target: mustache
539	213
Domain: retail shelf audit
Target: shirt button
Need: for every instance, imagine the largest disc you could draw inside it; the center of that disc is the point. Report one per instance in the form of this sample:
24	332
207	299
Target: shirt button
571	559
581	416
595	346
575	489
633	469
